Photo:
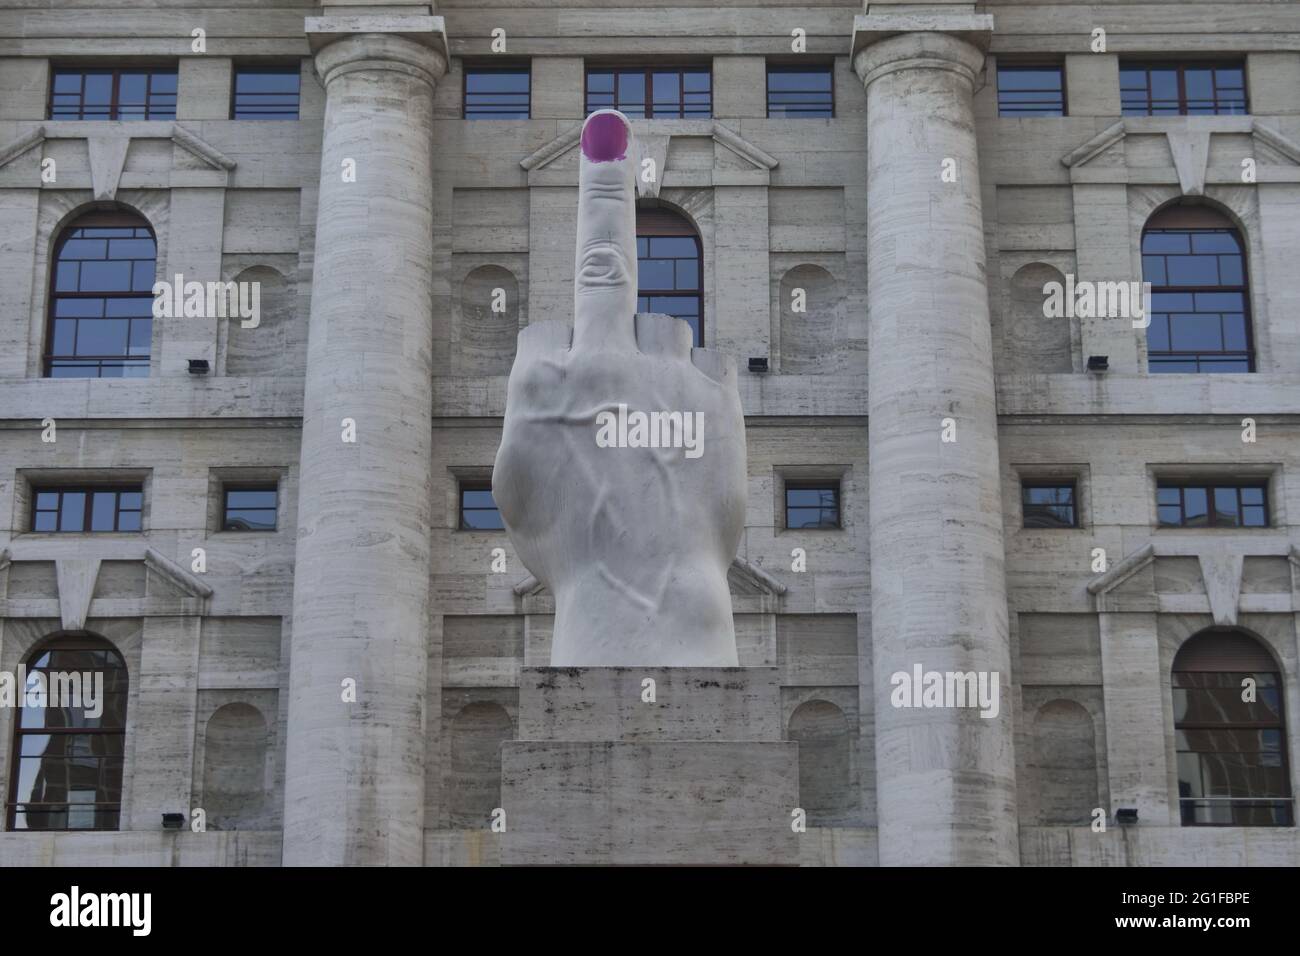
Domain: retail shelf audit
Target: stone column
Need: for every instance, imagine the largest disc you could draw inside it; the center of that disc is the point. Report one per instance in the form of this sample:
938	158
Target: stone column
946	775
354	787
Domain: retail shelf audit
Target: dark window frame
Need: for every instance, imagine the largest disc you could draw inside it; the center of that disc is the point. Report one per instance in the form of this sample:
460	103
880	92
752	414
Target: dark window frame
1228	665
1045	483
1182	66
475	484
149	68
1026	65
67	643
94	219
226	491
519	66
1202	356
1210	486
829	68
655	224
834	485
294	69
648	72
89	490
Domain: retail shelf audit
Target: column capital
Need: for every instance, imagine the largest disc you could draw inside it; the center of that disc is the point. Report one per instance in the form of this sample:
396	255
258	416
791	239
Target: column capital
884	42
415	44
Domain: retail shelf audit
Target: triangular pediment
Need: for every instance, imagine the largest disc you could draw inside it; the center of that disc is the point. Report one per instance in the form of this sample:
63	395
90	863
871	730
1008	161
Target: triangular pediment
109	143
1102	157
174	577
654	139
1116	576
743	578
1132	585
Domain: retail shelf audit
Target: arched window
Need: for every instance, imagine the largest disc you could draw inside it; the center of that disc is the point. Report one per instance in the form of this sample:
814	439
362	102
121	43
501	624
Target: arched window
101	298
68	738
1195	261
670	268
1230	733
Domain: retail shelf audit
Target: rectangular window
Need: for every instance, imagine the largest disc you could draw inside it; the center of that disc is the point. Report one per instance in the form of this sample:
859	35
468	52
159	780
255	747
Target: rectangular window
478	512
109	93
497	92
252	508
1218	504
266	92
1031	90
82	509
1049	505
812	504
800	91
1183	89
652	93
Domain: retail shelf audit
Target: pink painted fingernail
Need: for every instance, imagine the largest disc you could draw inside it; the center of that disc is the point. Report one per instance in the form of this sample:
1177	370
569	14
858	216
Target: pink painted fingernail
604	138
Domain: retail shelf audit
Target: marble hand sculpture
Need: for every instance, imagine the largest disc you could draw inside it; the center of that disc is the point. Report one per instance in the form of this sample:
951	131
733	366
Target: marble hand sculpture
621	472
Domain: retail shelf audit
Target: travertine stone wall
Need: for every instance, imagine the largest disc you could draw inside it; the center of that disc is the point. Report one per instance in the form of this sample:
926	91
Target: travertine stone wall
1112	432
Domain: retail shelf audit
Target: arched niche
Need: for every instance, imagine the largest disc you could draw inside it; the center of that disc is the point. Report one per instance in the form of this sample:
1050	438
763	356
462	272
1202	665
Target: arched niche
1064	763
822	732
234	768
808	337
272	346
474	781
1032	343
489	322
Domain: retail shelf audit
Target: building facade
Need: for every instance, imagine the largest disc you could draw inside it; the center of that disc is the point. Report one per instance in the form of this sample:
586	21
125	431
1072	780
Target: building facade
256	501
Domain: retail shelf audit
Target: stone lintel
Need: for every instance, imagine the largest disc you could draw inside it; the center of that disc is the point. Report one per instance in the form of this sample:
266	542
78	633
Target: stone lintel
975	28
425	30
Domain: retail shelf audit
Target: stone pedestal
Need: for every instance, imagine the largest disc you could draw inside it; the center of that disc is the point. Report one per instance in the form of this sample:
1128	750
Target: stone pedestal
946	776
699	775
354	782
